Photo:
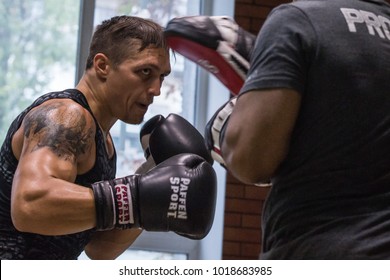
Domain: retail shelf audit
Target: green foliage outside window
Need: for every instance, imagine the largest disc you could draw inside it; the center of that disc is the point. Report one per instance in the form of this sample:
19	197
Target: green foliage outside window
38	41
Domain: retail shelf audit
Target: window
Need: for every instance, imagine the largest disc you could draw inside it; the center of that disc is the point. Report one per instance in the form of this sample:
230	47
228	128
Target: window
37	53
42	52
175	97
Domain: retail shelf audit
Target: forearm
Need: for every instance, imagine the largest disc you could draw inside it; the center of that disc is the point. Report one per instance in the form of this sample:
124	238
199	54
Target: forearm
247	164
258	133
57	209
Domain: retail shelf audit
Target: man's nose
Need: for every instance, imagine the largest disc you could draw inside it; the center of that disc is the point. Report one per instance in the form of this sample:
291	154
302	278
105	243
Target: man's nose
155	87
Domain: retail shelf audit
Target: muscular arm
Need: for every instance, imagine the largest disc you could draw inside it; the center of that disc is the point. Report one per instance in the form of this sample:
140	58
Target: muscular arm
54	144
56	139
258	133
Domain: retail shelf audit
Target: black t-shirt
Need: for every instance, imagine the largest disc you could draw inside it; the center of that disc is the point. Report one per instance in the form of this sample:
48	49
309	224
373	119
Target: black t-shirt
19	245
331	195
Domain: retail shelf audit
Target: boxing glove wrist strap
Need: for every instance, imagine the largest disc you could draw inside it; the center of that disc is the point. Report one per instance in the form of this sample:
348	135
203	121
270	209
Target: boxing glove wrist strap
114	203
215	130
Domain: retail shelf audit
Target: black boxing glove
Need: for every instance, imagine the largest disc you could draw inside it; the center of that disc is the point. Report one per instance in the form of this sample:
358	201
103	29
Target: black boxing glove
162	138
177	195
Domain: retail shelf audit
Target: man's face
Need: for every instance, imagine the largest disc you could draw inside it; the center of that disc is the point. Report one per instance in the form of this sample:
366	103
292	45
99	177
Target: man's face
132	85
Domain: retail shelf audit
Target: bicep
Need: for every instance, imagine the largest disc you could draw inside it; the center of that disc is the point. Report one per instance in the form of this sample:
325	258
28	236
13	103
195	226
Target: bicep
36	170
55	137
258	133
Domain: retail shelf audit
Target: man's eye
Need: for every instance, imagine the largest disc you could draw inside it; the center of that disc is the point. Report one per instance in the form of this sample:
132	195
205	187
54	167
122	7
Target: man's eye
146	72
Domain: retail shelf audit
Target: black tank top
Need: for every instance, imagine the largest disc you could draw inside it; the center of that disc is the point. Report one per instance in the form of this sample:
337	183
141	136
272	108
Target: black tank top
20	245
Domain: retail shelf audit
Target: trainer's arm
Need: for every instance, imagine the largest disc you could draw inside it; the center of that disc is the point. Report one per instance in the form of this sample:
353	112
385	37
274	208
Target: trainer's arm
258	133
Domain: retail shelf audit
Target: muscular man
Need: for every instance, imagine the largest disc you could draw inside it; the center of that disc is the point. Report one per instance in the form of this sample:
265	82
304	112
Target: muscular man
313	115
58	195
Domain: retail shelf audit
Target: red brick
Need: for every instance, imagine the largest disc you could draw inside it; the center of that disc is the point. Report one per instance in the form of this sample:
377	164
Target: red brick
270	3
252	11
251	250
256	25
231	248
232	219
251	221
255	192
243	206
235	191
229	177
245	23
242	235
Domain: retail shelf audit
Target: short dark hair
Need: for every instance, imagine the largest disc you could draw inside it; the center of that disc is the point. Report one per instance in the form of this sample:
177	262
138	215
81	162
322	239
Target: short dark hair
114	36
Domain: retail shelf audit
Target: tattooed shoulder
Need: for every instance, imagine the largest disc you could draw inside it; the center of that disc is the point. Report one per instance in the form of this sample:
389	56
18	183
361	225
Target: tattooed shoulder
62	126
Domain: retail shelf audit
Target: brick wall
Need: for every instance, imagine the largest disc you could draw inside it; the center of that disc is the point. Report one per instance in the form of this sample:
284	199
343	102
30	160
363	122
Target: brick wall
243	206
242	231
250	14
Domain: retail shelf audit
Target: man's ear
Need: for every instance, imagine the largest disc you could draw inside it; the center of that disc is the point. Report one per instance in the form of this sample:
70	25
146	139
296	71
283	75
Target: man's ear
101	64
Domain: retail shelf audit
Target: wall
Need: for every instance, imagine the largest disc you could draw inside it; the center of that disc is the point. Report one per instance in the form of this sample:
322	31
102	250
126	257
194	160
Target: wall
243	203
211	246
250	14
242	230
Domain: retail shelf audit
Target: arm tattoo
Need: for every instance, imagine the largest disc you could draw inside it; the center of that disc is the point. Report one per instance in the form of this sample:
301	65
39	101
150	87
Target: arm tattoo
63	130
